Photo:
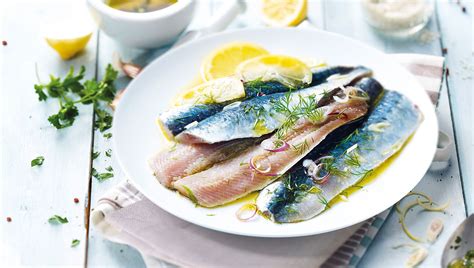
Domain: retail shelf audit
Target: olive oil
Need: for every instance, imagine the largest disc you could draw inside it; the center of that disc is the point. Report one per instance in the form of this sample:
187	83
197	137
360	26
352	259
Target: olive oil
139	6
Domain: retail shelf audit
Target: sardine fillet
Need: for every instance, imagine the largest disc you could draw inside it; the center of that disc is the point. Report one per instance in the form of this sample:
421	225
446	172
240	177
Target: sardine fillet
233	178
182	160
388	127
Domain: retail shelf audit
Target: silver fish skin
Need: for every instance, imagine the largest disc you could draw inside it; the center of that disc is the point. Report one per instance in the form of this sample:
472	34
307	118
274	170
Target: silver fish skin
174	121
297	197
259	116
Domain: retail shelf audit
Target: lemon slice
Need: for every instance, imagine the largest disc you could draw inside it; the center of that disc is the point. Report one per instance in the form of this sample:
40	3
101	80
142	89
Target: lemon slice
214	91
223	61
68	37
284	69
314	64
281	13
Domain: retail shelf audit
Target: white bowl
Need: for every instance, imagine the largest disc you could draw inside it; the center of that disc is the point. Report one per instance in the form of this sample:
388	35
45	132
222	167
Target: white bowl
143	30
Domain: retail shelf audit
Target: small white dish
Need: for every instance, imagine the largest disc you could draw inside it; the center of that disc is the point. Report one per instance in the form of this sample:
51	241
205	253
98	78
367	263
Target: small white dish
136	136
143	30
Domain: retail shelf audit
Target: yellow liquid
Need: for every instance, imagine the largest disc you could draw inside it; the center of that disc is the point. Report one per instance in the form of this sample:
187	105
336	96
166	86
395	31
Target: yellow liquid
139	6
367	180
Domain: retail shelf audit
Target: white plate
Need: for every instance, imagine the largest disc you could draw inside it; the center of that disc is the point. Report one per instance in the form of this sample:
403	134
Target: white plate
137	137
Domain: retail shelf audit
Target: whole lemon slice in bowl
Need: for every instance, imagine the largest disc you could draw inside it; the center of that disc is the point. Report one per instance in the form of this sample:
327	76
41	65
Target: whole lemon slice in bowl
281	13
214	91
224	61
284	69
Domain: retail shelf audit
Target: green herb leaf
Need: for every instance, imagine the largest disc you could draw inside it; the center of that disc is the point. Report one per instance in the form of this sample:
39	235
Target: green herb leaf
94	172
95	155
65	117
71	90
38	161
107	135
41	95
75	243
105	176
109	169
101	176
108	153
56	219
103	120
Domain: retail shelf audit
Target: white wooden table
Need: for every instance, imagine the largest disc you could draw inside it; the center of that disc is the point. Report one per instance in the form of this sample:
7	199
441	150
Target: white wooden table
31	195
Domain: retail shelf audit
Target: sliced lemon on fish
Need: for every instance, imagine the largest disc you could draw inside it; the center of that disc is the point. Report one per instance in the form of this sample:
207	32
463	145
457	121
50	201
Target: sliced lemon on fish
214	91
223	61
282	13
284	69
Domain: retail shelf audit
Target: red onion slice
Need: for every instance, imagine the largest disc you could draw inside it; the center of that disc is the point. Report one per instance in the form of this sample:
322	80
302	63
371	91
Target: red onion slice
313	168
276	145
261	165
246	212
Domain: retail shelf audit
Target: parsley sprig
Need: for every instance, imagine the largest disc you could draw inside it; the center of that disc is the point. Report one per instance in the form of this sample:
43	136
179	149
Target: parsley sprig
71	91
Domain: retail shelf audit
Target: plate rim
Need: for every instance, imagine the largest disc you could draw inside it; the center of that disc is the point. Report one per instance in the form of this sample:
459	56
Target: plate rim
169	53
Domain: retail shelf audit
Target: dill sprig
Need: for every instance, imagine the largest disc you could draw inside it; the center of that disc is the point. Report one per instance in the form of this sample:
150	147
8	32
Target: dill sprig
352	159
305	107
323	200
301	148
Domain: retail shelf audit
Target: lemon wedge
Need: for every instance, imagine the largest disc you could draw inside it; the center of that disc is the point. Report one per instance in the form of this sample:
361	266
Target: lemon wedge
214	91
68	48
68	37
284	69
223	61
281	13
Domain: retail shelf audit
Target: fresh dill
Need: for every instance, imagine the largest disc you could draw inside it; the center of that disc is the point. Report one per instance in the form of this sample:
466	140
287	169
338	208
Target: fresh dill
323	200
352	159
301	148
305	107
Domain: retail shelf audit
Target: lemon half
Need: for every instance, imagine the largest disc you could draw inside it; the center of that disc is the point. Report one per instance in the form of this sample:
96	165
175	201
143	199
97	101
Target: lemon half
281	13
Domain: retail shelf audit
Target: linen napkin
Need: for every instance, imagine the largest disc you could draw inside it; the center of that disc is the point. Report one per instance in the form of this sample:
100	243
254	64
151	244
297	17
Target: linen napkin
124	215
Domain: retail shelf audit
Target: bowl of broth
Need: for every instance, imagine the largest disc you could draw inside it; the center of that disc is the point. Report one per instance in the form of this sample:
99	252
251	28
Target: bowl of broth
142	23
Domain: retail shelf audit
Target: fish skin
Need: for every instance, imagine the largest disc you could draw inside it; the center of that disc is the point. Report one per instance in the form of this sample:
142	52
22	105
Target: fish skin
239	121
173	121
297	198
182	159
233	178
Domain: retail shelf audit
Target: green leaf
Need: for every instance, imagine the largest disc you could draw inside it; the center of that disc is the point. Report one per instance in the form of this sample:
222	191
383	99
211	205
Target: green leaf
108	153
94	172
101	176
75	243
38	161
109	169
72	82
41	95
56	219
107	135
103	120
104	176
95	155
65	117
72	90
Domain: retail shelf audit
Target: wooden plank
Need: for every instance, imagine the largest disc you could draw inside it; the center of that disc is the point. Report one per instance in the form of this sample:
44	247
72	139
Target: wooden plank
457	30
31	195
346	18
100	251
